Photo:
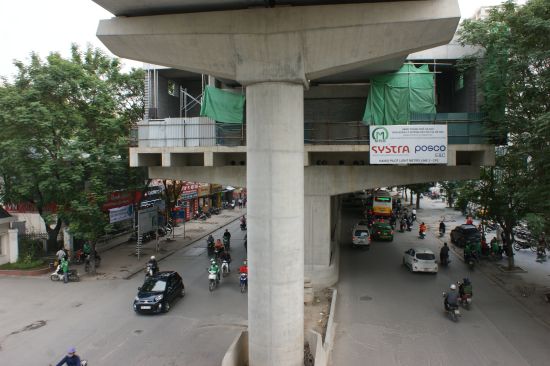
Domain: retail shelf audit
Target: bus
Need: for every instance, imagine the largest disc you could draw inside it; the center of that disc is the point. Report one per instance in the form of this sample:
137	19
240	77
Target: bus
381	203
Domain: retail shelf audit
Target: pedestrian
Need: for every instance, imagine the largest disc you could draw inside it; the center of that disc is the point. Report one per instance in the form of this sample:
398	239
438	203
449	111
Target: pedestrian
65	269
240	203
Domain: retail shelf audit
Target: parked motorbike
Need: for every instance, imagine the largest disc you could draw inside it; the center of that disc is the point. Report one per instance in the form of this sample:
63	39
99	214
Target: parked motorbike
521	244
225	268
212	280
57	275
243	282
87	262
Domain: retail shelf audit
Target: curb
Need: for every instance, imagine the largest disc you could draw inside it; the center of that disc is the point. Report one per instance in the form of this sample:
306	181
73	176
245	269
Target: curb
24	272
132	274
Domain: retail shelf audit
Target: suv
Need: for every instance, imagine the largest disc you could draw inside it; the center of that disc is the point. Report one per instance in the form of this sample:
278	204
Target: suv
158	291
465	233
360	236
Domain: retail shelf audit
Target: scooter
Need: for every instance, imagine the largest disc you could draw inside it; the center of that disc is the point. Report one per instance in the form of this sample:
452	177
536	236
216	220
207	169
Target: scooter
210	247
465	301
471	261
57	275
441	233
87	262
243	226
453	312
243	280
226	243
444	260
225	268
150	271
402	226
421	235
212	280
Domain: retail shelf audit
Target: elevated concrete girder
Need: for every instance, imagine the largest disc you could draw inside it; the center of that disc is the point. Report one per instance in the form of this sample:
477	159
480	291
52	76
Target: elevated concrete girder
292	44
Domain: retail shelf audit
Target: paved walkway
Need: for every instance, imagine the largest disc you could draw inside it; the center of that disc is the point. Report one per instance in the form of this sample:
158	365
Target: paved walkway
122	261
529	288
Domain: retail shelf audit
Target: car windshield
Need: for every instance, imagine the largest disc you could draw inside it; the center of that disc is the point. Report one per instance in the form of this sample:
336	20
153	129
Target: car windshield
425	256
153	285
361	232
471	232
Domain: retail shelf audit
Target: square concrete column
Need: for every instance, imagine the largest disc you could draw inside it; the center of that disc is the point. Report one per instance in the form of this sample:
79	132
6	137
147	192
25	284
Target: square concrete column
275	184
13	244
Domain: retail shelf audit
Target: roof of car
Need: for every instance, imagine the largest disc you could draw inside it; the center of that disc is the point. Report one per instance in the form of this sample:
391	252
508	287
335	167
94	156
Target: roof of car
422	250
360	227
468	226
164	274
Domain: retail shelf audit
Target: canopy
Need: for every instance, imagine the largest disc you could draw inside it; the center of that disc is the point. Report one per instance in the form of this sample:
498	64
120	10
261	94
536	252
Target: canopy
222	106
394	96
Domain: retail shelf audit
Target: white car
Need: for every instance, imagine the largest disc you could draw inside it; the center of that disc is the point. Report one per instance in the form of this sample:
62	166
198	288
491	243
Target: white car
420	260
360	236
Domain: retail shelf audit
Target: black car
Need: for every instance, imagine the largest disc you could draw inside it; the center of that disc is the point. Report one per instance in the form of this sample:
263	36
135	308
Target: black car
465	233
158	292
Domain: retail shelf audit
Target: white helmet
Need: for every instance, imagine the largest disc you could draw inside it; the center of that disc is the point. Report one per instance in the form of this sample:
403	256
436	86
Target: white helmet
453	287
152	257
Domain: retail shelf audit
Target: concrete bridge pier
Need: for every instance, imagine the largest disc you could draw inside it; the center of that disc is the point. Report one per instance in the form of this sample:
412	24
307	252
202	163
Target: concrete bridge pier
275	183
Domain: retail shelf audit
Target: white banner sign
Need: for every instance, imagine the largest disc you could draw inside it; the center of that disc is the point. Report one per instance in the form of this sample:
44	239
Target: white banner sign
121	213
408	144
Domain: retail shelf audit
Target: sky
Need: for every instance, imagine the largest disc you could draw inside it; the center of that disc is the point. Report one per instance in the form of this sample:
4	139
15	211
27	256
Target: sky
45	26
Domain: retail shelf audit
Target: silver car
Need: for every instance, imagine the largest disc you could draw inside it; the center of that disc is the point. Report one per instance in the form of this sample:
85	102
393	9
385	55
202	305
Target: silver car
360	236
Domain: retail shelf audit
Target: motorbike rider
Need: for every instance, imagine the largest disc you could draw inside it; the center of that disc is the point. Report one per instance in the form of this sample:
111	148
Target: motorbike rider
225	256
214	268
451	298
422	230
71	359
244	267
442	227
444	254
65	269
414	214
227	235
465	288
243	221
154	265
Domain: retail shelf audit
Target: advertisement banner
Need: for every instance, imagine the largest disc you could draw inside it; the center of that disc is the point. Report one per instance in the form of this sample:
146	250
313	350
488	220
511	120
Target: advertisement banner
121	213
408	144
147	220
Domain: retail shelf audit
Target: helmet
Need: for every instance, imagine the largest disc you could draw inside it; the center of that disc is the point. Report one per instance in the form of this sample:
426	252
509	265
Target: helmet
245	262
152	257
453	287
212	260
71	350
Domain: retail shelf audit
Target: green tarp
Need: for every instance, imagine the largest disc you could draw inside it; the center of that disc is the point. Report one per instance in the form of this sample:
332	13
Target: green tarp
222	106
393	97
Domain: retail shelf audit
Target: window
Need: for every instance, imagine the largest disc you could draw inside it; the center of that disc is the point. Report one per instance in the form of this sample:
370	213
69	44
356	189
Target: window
152	285
425	256
361	233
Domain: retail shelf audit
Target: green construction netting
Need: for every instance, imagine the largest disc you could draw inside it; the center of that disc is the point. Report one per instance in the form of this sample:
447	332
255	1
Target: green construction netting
393	97
222	106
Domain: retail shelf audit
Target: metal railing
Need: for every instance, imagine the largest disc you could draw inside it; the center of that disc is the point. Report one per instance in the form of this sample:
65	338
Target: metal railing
462	128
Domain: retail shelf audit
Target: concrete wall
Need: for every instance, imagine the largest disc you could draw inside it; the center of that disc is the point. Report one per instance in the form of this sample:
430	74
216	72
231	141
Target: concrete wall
237	354
4	244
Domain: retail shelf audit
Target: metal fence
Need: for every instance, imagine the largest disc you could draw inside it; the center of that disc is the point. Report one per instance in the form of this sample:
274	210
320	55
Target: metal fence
462	128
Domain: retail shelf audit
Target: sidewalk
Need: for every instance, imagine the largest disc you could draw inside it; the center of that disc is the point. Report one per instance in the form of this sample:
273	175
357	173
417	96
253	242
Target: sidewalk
121	262
528	287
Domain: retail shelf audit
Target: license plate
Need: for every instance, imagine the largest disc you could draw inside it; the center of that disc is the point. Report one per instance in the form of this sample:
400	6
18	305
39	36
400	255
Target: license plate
146	307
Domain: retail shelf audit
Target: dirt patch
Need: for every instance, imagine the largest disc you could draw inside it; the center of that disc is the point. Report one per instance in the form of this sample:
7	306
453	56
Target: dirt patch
316	314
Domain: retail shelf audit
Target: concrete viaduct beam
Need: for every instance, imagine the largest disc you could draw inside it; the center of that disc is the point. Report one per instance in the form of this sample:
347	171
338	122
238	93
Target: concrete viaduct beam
291	44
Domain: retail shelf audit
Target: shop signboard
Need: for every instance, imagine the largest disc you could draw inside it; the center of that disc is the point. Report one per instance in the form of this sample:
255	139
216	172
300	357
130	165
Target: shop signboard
408	144
204	190
121	213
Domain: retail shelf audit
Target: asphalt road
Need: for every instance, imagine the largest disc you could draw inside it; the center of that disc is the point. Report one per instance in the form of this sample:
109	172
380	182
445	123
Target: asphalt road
388	316
40	319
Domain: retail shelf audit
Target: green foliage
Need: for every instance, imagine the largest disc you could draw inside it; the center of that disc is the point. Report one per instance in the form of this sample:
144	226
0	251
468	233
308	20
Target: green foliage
514	69
37	263
29	250
64	129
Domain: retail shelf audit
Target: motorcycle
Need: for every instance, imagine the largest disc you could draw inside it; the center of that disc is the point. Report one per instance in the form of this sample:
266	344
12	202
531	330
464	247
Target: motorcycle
441	232
243	282
444	260
520	244
210	246
57	275
150	270
225	268
87	262
421	235
453	312
212	280
226	243
243	226
465	301
79	256
471	261
402	226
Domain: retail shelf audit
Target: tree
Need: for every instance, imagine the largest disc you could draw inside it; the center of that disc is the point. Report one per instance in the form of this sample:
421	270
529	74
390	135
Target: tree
514	67
418	189
172	191
450	188
64	130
